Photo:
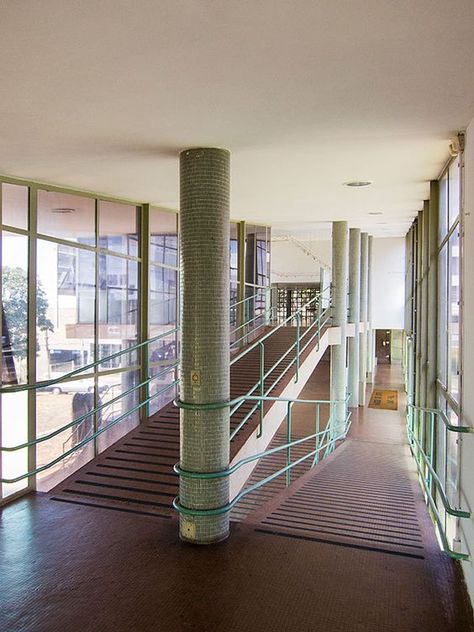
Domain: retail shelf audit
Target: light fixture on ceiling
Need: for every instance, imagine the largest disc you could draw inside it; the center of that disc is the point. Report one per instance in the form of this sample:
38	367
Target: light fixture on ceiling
375	213
358	183
63	210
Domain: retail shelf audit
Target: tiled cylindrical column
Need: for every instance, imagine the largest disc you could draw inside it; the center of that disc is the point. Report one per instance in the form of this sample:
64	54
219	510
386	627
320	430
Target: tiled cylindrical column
340	262
364	270
205	375
354	315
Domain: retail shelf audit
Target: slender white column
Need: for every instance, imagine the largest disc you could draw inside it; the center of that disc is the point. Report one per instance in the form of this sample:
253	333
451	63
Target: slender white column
370	335
340	264
364	261
354	316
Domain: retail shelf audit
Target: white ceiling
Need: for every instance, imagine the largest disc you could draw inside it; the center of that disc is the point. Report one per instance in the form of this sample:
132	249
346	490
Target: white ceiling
306	94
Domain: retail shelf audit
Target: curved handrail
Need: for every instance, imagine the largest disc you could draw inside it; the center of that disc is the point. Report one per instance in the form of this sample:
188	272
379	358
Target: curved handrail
320	436
427	473
444	419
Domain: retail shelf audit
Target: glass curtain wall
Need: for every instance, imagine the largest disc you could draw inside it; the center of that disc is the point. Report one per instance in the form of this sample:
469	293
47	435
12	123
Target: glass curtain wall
163	305
448	312
84	277
449	351
71	266
257	274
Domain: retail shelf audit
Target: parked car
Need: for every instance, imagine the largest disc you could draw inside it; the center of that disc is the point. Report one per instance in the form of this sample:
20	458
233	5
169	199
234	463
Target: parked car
76	386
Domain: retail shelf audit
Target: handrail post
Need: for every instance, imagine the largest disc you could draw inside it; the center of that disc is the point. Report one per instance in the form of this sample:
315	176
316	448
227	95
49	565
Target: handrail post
431	454
422	440
316	454
262	387
298	320
288	440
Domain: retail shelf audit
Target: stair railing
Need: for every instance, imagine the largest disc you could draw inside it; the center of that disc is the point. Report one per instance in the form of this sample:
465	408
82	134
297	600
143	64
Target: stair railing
303	338
422	425
315	327
325	442
74	424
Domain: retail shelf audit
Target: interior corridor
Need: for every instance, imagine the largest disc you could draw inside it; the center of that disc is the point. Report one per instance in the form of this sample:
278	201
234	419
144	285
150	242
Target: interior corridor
78	567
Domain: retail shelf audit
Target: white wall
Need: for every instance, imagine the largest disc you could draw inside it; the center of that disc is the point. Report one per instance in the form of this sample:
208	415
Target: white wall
291	265
467	442
388	283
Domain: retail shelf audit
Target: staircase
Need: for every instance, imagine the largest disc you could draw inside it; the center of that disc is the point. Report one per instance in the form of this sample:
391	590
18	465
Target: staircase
136	473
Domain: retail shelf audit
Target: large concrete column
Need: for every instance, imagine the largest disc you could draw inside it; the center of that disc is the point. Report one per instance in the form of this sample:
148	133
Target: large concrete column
370	335
340	261
204	235
354	316
364	268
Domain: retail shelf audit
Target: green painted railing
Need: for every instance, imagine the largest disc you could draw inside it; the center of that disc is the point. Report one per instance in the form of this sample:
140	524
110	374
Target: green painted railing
243	332
324	443
303	338
421	430
74	423
315	328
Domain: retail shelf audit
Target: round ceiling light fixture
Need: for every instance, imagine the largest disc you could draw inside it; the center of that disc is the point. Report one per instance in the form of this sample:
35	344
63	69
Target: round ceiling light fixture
358	183
63	210
375	213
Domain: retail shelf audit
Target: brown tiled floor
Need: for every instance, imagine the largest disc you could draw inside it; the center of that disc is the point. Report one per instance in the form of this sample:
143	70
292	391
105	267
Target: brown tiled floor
71	568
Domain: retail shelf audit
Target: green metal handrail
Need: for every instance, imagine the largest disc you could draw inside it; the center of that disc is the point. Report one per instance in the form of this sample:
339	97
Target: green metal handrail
319	436
430	480
81	370
92	411
319	322
67	376
78	420
95	434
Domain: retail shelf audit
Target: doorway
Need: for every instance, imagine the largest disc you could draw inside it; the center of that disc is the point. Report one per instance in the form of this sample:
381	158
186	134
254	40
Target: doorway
383	339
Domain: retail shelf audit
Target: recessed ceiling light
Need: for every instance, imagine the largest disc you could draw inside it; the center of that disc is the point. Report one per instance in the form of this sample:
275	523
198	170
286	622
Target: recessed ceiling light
375	213
358	183
63	211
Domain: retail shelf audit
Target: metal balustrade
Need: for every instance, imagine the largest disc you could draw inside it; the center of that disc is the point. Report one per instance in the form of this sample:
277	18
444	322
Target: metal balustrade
324	442
421	430
303	338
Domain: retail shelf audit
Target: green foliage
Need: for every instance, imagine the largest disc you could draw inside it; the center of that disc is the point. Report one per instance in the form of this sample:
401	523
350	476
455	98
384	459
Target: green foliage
15	306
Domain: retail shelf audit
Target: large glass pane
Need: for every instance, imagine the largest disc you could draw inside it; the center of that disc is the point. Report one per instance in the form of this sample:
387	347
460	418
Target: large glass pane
163	299
443	315
14	308
65	309
56	407
15	205
250	253
163	237
454	192
66	216
269	253
261	254
161	389
443	207
118	306
112	387
234	252
14	431
453	315
118	227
